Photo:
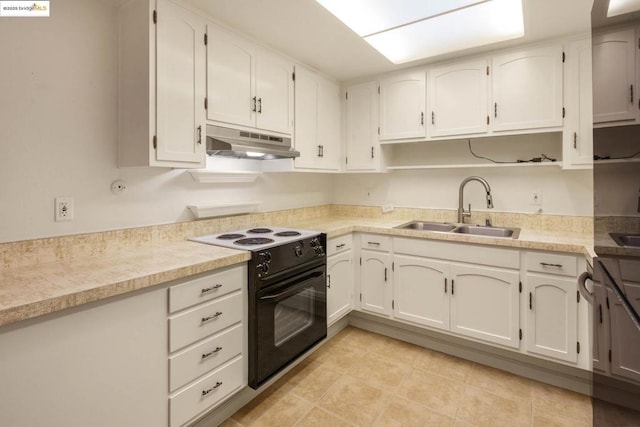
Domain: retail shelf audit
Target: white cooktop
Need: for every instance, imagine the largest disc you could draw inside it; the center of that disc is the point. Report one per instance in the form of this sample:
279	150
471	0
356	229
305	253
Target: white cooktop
276	236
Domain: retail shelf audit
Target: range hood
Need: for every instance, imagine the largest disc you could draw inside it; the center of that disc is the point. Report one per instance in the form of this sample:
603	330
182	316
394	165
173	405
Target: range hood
241	144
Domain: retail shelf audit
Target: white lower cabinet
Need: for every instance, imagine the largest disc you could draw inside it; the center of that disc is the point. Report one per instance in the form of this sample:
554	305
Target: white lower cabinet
552	317
339	285
207	341
103	364
485	304
421	291
376	289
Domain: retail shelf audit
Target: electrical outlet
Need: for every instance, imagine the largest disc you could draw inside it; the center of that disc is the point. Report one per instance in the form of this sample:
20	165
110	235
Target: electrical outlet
387	208
536	198
63	209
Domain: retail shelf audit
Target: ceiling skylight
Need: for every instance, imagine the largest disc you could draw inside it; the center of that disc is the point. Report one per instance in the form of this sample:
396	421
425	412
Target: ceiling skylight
620	7
415	29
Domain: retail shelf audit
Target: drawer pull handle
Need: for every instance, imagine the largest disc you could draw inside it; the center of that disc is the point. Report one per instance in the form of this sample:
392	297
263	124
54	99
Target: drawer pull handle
373	243
211	353
215	316
205	392
341	245
213	288
546	264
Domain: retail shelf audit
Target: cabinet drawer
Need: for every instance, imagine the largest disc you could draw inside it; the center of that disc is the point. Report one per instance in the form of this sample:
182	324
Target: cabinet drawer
542	262
207	392
204	357
463	252
204	320
375	242
339	244
206	288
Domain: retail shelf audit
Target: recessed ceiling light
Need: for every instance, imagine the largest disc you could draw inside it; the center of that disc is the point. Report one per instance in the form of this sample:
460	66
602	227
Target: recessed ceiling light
428	29
620	7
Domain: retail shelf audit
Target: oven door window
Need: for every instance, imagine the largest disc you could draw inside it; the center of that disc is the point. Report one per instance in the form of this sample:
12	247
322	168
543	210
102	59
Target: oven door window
293	316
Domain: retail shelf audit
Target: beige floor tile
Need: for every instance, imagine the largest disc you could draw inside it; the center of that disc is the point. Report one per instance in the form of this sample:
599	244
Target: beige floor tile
380	371
443	364
312	381
542	418
499	382
404	413
320	418
436	392
360	338
284	413
562	402
342	359
482	408
263	403
322	352
354	400
401	351
230	423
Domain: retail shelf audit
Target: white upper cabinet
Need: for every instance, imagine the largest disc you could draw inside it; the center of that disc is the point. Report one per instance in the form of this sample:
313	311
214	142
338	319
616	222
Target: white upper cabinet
458	99
247	86
402	106
614	76
527	89
578	130
317	122
162	86
362	147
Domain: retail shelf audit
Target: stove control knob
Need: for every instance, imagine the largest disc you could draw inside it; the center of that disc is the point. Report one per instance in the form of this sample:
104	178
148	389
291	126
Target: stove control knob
298	251
264	267
265	256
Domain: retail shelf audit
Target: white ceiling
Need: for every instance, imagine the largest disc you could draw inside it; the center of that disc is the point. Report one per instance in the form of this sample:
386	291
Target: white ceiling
306	31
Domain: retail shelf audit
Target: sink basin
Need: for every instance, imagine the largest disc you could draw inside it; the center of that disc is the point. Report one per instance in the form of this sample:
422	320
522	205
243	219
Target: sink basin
427	226
478	230
632	240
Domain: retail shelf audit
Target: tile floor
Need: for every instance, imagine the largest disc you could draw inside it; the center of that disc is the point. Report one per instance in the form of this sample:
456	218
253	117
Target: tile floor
365	379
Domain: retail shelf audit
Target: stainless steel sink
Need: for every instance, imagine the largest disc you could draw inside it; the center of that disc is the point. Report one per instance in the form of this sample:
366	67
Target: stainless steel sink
621	239
475	230
427	226
478	230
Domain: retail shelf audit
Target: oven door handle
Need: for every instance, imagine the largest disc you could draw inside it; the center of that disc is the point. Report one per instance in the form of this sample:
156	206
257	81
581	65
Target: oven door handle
294	289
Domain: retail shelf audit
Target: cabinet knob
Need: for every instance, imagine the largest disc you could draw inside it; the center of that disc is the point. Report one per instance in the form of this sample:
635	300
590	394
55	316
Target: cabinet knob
255	104
200	134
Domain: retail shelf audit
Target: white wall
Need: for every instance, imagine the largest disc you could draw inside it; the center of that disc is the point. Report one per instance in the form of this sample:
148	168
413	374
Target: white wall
58	129
563	192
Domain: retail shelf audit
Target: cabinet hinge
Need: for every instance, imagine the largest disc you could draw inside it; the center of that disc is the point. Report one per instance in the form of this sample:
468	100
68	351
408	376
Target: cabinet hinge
360	260
155	142
487	119
578	347
378	130
155	17
378	90
393	266
607	303
520	334
487	70
520	287
578	296
205	39
293	76
393	304
206	103
346	160
346	95
638	43
361	297
564	56
609	355
563	112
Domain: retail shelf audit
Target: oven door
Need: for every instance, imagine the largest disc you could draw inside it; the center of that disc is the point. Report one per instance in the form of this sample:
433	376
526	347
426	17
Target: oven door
290	316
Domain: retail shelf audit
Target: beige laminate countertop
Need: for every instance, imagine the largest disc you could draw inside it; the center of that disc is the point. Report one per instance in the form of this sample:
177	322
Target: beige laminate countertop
28	292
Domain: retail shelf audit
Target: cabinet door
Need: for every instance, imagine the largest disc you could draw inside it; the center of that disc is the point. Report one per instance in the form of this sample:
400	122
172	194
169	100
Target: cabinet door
458	99
600	328
317	122
375	282
402	106
329	132
339	286
274	88
578	132
625	335
361	143
421	291
552	317
527	89
485	304
180	85
231	64
614	76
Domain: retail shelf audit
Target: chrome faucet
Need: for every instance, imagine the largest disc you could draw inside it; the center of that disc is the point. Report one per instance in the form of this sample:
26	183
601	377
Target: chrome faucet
461	212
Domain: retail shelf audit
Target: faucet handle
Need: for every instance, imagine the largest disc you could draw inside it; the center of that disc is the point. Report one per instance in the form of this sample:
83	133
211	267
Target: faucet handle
466	213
